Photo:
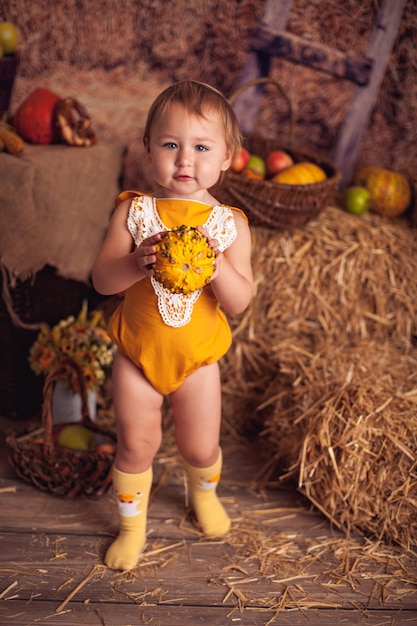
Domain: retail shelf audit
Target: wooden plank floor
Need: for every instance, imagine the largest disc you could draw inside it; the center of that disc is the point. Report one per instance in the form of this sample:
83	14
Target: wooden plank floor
281	563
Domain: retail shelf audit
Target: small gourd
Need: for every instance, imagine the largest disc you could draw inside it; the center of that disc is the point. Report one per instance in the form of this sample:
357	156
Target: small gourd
184	260
389	191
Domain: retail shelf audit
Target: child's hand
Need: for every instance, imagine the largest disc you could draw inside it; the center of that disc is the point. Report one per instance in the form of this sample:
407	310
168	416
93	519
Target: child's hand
145	254
213	243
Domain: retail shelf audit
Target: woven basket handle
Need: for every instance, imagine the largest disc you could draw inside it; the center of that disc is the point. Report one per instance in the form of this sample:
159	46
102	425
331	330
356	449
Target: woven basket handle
269	81
48	388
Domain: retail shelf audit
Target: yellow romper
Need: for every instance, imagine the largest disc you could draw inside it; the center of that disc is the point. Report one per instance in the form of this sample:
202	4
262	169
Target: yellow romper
169	336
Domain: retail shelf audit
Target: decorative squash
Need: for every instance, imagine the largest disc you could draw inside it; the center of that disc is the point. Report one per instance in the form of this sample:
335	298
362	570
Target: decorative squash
34	118
390	191
303	173
184	260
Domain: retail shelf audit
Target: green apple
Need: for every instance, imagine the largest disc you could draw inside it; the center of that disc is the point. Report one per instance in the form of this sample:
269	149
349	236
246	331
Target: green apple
356	200
77	437
256	165
8	38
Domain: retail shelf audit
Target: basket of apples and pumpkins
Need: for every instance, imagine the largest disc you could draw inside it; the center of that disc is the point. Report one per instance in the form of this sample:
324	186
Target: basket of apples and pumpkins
66	459
277	186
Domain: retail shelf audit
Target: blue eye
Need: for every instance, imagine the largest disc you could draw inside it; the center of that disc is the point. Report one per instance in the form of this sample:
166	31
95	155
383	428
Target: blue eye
201	148
170	145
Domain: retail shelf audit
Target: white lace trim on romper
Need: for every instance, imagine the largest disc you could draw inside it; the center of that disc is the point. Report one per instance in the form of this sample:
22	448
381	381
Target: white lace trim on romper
143	221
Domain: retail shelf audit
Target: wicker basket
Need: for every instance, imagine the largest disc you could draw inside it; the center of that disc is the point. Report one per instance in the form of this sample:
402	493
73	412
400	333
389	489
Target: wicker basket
276	205
24	309
39	460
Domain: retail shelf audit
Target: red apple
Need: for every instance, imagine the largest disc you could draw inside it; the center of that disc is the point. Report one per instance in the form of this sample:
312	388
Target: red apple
277	161
240	160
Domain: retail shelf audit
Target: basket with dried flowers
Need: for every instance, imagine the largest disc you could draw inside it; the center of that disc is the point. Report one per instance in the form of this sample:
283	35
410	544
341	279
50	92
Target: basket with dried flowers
82	339
64	468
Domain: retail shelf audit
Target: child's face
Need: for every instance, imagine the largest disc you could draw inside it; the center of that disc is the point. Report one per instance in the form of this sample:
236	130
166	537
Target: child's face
187	152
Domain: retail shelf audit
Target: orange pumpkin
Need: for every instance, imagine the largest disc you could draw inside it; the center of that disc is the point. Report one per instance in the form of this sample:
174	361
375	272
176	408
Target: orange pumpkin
34	118
390	191
251	174
303	173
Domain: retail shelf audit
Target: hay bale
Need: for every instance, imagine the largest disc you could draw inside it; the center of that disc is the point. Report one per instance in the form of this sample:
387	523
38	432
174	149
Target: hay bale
352	440
339	278
323	368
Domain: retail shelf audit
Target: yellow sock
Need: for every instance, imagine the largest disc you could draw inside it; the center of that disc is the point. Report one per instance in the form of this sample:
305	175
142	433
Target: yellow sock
209	511
132	492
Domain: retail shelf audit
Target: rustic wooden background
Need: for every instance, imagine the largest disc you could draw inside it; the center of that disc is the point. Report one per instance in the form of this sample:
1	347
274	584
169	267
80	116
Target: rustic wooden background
115	62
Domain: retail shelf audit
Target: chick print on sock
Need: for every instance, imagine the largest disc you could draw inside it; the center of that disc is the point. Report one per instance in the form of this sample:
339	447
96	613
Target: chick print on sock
129	504
132	495
209	511
209	483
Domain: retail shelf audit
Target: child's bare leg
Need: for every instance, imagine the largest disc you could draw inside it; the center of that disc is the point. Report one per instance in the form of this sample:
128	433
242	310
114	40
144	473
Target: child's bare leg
138	415
197	412
138	410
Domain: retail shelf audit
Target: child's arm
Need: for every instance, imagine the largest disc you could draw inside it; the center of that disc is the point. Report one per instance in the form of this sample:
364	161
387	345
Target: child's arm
119	263
233	279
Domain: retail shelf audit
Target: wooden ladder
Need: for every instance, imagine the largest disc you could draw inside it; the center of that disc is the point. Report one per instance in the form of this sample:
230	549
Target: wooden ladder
270	39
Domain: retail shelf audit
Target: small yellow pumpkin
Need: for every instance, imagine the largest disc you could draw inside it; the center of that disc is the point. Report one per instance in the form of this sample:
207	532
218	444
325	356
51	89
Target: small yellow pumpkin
389	191
303	173
184	260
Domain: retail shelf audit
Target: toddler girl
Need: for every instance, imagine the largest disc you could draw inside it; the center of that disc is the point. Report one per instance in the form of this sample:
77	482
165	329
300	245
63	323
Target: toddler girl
170	344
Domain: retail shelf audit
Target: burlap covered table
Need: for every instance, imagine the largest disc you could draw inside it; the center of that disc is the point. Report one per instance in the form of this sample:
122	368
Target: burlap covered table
55	206
55	203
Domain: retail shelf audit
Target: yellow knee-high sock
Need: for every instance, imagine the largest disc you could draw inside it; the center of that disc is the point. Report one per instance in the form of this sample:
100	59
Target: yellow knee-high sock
132	493
209	511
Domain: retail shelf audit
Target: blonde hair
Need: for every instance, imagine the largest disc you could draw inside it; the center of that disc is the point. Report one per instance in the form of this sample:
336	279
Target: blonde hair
196	98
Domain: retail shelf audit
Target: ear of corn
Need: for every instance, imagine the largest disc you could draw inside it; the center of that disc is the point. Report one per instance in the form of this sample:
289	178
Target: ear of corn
184	260
10	141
